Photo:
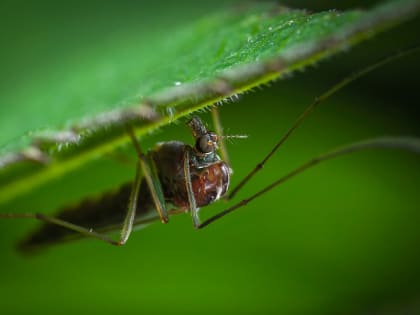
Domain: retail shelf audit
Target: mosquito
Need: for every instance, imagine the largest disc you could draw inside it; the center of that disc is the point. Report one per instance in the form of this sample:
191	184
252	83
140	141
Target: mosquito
175	177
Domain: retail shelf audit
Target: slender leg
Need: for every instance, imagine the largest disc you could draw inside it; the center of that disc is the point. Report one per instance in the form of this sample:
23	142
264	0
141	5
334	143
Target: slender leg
132	206
48	219
401	143
318	100
150	174
79	229
188	185
140	221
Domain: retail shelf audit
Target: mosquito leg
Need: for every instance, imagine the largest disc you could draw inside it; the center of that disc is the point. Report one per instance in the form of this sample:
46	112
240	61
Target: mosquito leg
219	130
188	185
150	174
132	207
154	186
318	100
52	220
402	143
138	222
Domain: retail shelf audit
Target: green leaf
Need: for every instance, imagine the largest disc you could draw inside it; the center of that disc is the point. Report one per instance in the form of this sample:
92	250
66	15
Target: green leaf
69	122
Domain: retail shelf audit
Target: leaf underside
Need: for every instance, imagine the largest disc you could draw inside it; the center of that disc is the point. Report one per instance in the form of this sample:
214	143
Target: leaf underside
206	63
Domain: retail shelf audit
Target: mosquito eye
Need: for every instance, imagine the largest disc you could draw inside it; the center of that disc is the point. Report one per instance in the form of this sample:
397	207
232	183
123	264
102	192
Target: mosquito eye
205	144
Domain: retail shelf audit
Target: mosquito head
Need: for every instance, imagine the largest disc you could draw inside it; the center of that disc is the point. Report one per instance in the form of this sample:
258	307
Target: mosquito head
205	141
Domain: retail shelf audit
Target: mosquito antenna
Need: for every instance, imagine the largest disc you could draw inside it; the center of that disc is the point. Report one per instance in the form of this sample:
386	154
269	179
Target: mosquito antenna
318	100
234	136
401	143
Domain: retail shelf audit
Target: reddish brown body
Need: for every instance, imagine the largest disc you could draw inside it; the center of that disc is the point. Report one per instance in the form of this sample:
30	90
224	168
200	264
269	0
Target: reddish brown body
210	182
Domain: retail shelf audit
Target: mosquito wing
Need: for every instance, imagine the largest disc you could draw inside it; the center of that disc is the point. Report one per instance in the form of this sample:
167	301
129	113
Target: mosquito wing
103	214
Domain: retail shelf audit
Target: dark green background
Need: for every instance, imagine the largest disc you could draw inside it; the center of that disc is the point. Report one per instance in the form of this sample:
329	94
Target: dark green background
341	238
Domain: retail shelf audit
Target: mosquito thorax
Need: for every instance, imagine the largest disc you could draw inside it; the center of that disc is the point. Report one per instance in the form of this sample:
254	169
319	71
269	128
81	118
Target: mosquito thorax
210	177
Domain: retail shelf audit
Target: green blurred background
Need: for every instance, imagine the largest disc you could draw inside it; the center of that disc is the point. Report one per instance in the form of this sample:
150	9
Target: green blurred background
339	239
